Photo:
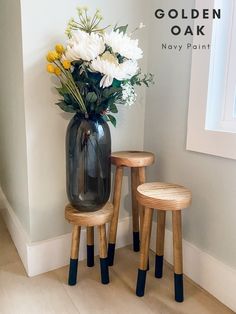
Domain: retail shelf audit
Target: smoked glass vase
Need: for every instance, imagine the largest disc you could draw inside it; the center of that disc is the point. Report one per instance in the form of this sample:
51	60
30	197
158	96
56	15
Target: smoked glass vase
88	150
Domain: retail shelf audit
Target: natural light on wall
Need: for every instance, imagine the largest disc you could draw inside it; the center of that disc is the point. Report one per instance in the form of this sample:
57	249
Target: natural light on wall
221	102
212	101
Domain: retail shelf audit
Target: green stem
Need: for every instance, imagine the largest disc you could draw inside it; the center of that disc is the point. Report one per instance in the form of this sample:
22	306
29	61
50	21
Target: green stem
82	19
101	29
76	88
99	20
94	19
70	84
72	92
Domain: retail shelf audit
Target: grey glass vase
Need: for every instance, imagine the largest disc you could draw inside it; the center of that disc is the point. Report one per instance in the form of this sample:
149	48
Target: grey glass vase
88	150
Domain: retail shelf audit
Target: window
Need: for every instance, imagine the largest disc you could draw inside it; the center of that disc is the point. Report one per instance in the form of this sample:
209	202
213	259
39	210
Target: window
212	105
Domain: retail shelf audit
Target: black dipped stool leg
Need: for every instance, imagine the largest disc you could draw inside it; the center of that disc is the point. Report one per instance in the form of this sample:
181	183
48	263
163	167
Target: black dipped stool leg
73	272
141	282
111	253
104	271
159	266
90	255
179	288
136	242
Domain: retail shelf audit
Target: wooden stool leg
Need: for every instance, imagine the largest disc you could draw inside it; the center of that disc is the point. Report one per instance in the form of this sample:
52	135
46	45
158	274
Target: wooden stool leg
135	210
74	255
161	222
145	242
90	246
178	258
141	180
114	221
103	255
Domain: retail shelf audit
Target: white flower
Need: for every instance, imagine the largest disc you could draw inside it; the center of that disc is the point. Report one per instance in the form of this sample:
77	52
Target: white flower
127	69
121	43
128	94
109	66
106	64
84	46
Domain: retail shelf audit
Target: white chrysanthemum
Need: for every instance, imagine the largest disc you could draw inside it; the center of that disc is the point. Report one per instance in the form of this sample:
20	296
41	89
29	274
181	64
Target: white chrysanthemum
108	65
127	69
84	46
121	43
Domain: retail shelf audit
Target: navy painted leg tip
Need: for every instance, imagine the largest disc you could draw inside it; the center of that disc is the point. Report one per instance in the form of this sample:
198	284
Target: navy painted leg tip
139	294
72	283
90	255
104	271
179	289
111	253
105	282
136	242
141	281
159	267
73	272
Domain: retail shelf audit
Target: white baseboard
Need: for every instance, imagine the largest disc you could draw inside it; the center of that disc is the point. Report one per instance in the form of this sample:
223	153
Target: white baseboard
212	275
40	257
14	226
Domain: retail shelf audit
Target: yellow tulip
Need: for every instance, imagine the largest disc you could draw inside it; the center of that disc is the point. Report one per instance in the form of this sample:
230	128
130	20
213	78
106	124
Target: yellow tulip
59	48
66	64
50	68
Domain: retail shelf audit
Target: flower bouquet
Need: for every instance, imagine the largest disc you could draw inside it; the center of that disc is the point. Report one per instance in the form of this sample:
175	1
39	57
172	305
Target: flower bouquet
98	69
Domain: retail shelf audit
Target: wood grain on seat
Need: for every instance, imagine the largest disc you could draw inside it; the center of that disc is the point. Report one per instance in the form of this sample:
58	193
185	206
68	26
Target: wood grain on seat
164	196
89	219
132	158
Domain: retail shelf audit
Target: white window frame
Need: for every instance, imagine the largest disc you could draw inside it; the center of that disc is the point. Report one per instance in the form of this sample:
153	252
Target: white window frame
201	136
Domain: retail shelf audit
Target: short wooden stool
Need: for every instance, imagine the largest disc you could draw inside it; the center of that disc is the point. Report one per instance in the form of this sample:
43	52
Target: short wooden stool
163	197
137	161
89	219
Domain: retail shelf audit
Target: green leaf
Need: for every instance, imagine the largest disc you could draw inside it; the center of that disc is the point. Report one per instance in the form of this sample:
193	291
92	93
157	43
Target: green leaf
116	83
108	92
91	97
67	98
105	118
112	119
113	107
65	107
62	90
121	29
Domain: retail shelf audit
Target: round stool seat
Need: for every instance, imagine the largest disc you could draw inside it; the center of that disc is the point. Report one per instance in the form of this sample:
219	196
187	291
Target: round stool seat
132	158
89	219
164	196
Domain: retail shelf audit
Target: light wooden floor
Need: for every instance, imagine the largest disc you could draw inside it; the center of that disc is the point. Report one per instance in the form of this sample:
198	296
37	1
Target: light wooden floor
49	293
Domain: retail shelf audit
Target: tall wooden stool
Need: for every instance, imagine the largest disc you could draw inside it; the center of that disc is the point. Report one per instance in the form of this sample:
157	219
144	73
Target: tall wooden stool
137	161
163	197
89	219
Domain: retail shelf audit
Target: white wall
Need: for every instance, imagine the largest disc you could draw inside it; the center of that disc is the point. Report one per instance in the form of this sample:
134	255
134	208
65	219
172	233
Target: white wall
210	222
13	159
43	25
